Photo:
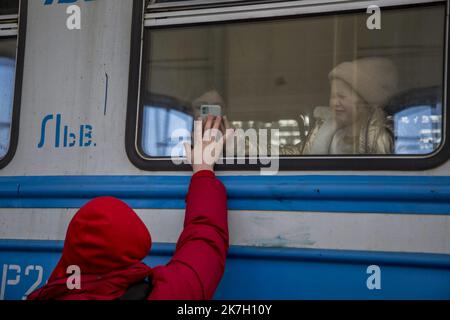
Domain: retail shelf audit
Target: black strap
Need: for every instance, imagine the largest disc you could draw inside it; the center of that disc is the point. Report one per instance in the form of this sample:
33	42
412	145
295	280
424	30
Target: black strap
138	291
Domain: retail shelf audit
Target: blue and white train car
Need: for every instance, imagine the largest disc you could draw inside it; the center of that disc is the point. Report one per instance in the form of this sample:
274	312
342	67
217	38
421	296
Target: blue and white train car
91	92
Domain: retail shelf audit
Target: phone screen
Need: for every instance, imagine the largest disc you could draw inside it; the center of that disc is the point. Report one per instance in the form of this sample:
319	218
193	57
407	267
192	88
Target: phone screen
212	109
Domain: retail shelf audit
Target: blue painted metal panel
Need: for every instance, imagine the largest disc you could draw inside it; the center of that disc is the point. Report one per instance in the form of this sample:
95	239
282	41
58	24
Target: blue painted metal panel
262	273
374	194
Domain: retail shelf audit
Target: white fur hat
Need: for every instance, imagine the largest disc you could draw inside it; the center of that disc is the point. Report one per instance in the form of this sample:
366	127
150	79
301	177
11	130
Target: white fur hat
374	79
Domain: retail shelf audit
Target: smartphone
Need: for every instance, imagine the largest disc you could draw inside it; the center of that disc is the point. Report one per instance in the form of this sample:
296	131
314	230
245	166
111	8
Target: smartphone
212	109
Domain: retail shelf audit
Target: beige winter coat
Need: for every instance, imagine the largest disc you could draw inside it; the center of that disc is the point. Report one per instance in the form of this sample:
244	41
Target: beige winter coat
374	136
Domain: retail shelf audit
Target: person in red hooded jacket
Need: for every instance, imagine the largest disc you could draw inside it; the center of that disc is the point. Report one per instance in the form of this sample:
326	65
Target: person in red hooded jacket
107	241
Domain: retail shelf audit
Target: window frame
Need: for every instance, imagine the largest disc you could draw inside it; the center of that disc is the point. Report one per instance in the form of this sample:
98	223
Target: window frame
20	35
141	20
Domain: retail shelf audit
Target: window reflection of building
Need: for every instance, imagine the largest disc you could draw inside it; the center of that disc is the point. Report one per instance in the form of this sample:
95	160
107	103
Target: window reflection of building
418	130
417	117
6	102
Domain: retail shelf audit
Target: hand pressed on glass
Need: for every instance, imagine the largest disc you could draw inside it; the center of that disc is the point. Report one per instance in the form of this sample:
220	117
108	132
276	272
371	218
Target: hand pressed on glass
210	135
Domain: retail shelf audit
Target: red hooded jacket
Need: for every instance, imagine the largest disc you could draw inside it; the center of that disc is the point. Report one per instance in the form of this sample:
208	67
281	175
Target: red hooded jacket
107	241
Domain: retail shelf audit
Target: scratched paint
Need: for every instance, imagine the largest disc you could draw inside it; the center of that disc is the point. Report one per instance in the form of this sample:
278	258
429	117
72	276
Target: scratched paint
263	233
293	240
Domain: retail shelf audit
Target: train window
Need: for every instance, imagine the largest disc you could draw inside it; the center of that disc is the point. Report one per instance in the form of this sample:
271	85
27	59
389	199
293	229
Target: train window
10	76
327	88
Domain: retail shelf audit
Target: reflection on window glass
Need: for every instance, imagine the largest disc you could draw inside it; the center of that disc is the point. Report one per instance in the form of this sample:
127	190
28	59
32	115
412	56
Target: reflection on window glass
7	69
163	131
417	121
327	83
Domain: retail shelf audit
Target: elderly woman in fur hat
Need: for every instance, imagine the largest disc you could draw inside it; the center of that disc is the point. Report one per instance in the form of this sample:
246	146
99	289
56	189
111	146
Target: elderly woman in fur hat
355	122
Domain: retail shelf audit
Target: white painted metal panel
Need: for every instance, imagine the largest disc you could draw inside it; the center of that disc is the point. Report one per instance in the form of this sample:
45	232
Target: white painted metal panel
342	231
264	10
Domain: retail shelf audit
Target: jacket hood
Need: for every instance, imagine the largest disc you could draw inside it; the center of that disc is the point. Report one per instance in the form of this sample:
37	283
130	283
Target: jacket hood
105	239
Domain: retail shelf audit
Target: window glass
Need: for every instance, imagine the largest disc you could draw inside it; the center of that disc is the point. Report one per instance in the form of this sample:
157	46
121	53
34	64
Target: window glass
7	70
208	2
328	84
417	121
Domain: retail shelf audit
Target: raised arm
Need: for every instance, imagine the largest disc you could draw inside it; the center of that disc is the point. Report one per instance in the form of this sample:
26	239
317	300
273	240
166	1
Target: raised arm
198	264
